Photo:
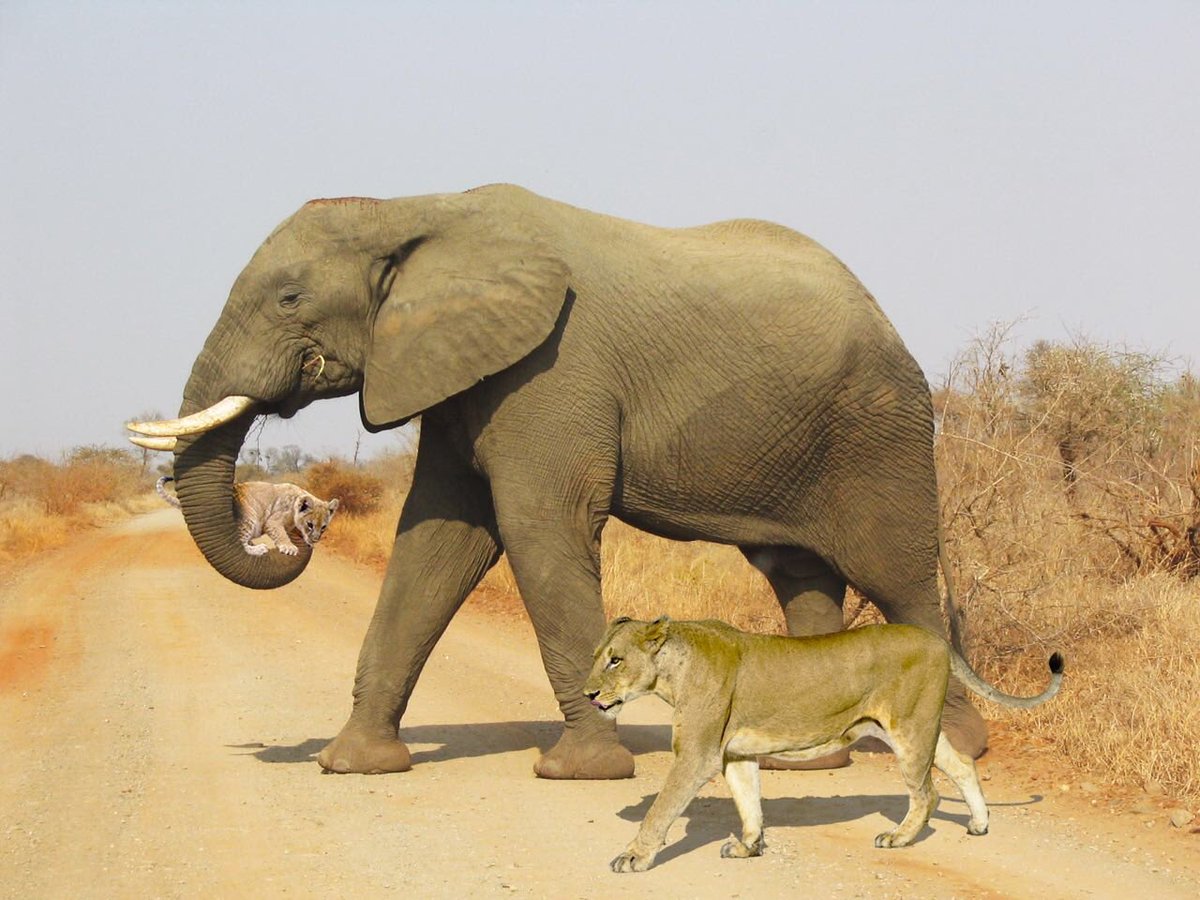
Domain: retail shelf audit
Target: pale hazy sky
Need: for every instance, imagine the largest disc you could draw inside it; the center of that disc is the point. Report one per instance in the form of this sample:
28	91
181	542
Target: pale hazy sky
971	162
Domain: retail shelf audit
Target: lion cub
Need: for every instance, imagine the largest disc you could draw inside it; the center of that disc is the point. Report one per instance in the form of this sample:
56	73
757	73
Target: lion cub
739	696
272	509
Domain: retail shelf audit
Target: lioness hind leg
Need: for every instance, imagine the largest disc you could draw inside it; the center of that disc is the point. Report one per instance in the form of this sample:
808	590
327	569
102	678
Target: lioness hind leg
961	770
742	777
914	755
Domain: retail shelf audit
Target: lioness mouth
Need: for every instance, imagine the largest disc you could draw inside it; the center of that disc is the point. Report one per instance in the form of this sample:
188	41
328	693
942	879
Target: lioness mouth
605	707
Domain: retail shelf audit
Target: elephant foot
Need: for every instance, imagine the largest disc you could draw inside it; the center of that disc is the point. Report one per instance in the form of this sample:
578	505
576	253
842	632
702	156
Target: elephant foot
835	760
353	751
592	757
964	726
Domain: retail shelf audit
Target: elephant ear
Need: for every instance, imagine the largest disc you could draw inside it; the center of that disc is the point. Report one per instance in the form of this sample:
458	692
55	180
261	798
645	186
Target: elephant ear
463	304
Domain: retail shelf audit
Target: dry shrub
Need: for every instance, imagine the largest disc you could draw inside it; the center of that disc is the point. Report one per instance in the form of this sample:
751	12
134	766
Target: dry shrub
373	495
86	475
43	503
1071	507
358	492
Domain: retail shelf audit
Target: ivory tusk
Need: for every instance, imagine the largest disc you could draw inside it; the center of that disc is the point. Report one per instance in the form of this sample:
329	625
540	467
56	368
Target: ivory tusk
166	444
207	419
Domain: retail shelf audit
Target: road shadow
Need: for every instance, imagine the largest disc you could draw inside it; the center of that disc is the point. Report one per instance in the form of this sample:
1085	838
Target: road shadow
464	741
714	819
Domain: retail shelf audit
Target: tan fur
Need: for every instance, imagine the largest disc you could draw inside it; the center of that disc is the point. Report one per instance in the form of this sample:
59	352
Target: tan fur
739	696
273	510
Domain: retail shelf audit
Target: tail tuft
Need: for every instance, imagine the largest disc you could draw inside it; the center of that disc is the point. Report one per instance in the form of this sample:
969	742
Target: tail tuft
1057	663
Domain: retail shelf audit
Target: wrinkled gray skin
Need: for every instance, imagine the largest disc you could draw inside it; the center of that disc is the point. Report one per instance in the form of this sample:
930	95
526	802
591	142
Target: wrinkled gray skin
731	383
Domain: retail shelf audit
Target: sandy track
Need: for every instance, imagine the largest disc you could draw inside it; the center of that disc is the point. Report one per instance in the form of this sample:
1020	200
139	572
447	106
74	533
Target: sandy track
158	726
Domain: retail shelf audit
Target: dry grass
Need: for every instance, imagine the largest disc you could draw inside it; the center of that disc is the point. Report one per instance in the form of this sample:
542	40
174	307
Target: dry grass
42	503
371	496
1071	500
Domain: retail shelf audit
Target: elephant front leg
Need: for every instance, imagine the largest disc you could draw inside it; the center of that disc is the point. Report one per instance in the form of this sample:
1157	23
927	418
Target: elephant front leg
559	578
445	543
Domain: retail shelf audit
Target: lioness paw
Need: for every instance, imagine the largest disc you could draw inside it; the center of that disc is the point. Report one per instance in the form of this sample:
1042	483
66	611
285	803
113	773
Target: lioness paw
891	839
735	849
630	861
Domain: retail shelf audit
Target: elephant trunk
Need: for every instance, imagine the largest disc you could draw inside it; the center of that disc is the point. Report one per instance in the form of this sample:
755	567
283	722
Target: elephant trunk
204	471
204	480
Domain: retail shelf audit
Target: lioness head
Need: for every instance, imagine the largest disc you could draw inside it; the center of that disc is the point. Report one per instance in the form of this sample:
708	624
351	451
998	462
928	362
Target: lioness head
624	666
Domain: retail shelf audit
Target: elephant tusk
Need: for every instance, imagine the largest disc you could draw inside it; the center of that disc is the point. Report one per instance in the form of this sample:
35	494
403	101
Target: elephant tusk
166	444
219	413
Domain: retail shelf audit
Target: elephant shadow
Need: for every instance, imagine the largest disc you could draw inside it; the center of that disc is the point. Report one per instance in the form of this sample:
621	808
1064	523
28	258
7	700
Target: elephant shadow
440	743
713	819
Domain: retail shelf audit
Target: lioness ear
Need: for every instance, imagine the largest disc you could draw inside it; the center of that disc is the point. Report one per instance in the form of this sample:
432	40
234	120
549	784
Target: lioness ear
656	634
611	630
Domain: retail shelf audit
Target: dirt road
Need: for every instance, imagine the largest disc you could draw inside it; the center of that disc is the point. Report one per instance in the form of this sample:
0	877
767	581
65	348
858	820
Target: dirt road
158	727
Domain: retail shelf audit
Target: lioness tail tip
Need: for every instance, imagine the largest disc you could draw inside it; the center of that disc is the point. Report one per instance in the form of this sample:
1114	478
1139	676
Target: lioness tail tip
1057	663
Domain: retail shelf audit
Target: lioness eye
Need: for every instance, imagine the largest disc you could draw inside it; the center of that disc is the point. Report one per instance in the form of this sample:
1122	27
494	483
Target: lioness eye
613	663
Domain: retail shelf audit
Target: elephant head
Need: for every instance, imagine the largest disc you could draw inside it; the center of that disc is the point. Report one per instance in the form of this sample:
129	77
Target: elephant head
407	302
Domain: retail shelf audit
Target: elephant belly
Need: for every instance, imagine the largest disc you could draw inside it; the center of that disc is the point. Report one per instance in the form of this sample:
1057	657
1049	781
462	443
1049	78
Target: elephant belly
708	510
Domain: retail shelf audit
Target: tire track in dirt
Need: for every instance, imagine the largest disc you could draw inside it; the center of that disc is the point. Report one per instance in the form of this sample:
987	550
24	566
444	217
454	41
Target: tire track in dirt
158	726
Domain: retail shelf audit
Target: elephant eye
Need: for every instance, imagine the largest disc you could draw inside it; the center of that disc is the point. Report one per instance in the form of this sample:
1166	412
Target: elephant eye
290	300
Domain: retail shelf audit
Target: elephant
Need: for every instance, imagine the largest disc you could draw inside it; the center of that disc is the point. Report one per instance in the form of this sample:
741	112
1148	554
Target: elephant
732	382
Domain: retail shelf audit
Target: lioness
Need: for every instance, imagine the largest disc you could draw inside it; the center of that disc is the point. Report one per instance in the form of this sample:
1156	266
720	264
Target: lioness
738	696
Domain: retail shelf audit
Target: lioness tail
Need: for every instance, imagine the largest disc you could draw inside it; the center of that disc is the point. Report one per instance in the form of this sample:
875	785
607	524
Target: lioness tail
963	672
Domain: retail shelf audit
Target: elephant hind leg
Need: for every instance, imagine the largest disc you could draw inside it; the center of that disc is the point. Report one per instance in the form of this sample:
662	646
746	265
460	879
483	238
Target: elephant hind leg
811	595
809	592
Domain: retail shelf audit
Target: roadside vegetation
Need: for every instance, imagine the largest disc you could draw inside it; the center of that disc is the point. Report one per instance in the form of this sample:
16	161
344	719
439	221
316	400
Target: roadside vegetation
1070	490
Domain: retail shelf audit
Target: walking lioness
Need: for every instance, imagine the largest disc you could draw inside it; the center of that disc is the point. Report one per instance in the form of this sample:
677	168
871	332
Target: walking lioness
738	696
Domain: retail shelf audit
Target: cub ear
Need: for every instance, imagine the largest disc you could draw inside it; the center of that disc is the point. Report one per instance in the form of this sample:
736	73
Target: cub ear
305	506
479	293
333	505
656	634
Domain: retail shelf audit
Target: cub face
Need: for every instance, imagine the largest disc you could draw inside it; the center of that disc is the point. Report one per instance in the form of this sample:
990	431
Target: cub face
624	666
312	516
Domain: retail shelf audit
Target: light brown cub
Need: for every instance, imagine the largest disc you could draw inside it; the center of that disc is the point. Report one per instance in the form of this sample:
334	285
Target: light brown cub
273	509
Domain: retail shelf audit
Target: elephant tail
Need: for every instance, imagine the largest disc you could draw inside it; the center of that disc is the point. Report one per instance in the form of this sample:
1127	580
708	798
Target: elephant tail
161	487
953	613
964	673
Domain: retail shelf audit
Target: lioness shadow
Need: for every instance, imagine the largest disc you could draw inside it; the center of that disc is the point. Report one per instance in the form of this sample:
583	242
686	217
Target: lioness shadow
465	741
714	819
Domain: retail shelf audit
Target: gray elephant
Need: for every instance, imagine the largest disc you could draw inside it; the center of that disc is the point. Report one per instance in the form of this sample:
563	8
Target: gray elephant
731	383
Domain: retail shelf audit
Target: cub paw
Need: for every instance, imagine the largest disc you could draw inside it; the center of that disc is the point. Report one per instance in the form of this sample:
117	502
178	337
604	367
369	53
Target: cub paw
255	549
288	549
